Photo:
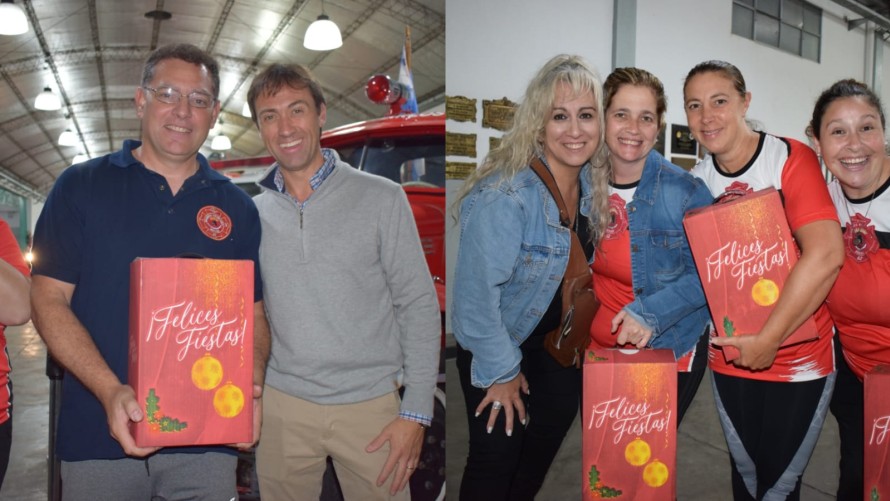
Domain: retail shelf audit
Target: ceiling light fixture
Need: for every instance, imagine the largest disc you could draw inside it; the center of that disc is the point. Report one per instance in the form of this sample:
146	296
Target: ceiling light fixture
323	34
220	141
158	15
12	19
67	138
47	100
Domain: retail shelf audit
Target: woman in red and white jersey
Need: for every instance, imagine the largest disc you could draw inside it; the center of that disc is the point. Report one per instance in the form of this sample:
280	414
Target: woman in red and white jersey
15	309
848	128
643	270
771	402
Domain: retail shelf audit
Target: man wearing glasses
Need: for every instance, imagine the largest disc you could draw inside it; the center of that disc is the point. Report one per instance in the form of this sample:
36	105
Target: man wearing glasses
141	201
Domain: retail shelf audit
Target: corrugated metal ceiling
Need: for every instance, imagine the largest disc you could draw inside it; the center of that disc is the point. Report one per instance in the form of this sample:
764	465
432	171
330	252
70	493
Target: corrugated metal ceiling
91	52
882	7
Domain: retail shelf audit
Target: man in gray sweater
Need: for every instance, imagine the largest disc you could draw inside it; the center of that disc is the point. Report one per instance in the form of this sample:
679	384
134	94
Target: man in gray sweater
351	305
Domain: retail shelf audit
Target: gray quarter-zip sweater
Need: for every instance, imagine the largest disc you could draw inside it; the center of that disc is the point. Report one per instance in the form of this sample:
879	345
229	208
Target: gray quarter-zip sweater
349	297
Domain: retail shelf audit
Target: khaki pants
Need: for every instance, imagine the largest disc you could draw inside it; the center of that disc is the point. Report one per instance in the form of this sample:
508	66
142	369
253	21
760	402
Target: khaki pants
298	436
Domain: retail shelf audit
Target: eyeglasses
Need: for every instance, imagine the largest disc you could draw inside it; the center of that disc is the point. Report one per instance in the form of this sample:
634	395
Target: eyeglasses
169	95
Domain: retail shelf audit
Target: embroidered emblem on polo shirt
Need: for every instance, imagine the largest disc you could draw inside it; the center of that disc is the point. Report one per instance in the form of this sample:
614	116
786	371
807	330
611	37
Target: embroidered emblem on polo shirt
214	223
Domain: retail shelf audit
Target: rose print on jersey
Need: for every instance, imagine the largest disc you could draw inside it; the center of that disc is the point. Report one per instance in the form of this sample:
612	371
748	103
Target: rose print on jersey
618	217
860	239
735	190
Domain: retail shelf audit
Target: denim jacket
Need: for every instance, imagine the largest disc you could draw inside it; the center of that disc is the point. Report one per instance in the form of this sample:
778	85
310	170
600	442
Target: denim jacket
668	295
512	256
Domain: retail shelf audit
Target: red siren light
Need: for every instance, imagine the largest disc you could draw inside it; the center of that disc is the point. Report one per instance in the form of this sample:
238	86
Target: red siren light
382	90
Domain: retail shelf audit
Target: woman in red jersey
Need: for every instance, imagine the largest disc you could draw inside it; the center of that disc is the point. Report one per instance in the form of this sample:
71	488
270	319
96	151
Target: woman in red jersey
643	270
771	402
848	128
15	309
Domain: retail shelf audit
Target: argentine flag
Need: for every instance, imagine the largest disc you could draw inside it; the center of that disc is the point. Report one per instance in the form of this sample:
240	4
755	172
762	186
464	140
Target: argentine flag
410	104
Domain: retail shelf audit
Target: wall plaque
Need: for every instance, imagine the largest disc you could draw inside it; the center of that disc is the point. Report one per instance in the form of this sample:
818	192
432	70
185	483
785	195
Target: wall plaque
498	114
684	162
459	170
682	142
463	145
460	109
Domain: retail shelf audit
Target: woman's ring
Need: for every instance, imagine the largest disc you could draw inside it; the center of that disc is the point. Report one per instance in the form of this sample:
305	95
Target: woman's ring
496	405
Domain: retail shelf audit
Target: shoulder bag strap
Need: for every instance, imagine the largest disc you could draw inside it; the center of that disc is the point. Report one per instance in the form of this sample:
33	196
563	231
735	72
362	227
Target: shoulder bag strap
547	177
577	260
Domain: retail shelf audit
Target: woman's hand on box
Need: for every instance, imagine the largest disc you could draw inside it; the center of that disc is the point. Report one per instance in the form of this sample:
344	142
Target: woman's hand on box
632	332
756	352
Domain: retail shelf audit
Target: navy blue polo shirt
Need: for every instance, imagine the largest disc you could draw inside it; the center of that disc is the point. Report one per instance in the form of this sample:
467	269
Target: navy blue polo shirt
98	218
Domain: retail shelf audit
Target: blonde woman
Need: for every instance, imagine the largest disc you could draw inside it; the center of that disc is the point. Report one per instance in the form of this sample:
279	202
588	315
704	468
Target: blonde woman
512	256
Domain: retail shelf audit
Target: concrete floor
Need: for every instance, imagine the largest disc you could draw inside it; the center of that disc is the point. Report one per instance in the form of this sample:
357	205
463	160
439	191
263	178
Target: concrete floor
703	471
26	478
702	463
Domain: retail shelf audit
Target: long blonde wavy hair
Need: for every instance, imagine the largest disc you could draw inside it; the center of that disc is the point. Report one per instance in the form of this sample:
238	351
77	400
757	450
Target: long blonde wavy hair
525	138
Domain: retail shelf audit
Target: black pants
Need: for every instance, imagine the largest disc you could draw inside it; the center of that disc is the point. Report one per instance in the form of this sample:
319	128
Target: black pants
774	428
6	439
688	382
847	405
513	468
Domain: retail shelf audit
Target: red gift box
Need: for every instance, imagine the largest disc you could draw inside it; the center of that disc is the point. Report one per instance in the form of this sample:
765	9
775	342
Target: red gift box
629	433
876	471
191	350
744	252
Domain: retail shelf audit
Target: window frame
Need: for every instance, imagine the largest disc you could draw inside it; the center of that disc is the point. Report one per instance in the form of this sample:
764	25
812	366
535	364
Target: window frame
773	29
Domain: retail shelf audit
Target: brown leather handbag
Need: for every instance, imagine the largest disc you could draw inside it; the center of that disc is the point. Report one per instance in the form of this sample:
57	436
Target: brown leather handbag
567	343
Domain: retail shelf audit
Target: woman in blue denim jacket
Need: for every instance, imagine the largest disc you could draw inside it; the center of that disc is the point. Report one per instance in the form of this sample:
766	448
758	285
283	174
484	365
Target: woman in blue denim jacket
512	256
644	273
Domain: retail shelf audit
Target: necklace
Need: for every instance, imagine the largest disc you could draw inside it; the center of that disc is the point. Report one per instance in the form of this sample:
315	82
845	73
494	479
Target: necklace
858	238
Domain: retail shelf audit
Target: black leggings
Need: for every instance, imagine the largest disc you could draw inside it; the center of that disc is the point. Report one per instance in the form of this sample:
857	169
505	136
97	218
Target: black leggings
771	429
6	439
513	468
688	382
847	406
